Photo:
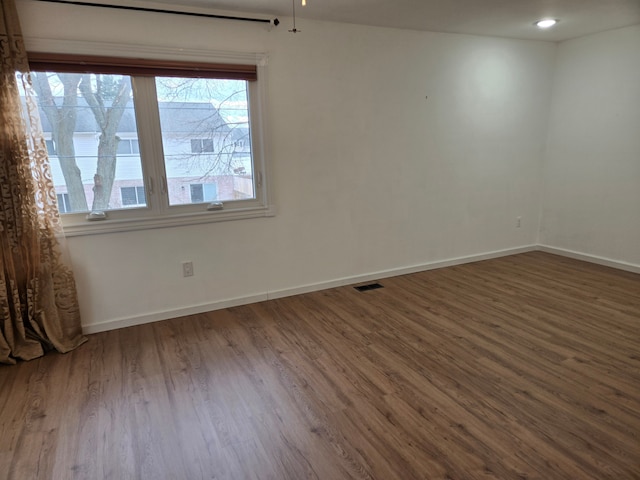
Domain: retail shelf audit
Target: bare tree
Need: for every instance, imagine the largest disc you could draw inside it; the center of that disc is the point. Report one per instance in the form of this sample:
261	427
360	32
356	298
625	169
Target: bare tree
204	121
63	124
108	119
107	99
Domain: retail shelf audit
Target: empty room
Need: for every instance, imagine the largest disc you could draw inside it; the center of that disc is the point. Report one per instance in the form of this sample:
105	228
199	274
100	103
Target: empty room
320	239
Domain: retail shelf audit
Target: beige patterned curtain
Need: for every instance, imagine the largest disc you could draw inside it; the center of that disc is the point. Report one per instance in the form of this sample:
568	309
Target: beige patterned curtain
38	301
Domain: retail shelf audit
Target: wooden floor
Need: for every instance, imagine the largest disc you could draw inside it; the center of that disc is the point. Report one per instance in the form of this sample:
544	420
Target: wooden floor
524	367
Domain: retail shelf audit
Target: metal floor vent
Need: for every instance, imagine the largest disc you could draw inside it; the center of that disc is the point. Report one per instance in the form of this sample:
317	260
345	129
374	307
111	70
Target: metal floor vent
370	286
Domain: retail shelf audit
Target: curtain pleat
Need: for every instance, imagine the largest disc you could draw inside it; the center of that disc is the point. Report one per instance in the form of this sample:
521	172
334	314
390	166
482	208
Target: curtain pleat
38	301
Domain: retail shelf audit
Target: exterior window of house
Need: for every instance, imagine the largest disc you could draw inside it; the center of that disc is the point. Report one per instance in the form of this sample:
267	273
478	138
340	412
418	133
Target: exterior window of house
128	146
171	128
207	192
132	196
201	145
63	203
51	147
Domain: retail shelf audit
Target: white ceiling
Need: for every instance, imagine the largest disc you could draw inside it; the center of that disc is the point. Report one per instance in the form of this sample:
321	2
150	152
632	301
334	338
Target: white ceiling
503	18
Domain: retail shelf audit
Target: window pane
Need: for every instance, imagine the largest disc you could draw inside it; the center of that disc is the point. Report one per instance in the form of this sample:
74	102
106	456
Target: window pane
206	139
124	147
196	145
128	195
207	145
132	196
51	147
210	192
197	195
63	202
79	108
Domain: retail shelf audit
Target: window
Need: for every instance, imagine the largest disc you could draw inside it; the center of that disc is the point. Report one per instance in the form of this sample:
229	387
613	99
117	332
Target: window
201	145
171	142
132	196
128	146
201	193
88	166
63	202
51	147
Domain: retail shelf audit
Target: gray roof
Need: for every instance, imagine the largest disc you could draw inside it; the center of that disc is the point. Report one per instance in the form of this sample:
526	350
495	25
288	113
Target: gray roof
187	117
175	117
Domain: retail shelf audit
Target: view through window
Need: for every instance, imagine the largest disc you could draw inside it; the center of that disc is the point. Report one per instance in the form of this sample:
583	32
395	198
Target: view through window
205	139
90	125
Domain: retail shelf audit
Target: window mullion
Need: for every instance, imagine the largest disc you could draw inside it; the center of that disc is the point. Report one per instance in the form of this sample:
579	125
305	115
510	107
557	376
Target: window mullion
150	142
256	112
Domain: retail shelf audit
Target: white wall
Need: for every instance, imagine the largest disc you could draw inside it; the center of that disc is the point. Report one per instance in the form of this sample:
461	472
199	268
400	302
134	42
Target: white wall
591	200
367	174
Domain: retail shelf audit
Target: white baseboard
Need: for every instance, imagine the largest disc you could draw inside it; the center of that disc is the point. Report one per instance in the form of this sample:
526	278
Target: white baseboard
339	282
608	262
287	292
394	272
167	314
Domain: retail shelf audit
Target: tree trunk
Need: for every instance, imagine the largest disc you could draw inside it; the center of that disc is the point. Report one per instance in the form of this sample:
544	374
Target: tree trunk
108	118
105	171
63	125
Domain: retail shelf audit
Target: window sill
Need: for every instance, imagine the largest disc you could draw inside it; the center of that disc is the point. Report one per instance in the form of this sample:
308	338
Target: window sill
76	228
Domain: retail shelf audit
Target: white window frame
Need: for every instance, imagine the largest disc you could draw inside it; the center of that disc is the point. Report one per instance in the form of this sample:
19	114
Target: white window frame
158	213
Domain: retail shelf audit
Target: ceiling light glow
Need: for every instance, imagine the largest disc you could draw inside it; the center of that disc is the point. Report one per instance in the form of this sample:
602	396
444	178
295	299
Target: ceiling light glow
546	23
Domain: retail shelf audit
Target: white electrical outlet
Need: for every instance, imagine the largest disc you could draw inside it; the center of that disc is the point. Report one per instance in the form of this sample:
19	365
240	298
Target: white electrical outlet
187	269
518	222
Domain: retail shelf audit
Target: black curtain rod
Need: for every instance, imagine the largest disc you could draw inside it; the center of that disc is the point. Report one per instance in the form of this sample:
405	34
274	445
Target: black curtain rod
159	10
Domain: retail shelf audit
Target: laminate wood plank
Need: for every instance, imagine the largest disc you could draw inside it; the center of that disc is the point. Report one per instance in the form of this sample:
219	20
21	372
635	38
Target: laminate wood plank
519	367
470	414
516	352
340	303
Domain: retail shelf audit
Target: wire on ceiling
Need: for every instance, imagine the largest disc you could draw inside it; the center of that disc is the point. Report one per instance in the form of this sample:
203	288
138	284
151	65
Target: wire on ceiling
274	22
